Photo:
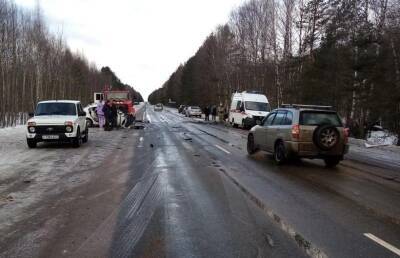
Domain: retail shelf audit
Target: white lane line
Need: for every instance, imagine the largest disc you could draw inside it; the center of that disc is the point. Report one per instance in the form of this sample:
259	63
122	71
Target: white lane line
219	147
383	243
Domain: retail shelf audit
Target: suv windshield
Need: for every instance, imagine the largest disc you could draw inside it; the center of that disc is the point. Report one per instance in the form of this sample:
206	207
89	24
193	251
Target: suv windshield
319	118
257	106
62	109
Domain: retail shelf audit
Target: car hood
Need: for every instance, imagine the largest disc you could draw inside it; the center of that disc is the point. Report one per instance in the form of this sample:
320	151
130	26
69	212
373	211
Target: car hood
257	113
52	120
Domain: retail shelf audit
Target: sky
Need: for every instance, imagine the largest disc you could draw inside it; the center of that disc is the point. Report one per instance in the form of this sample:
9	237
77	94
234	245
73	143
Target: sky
142	41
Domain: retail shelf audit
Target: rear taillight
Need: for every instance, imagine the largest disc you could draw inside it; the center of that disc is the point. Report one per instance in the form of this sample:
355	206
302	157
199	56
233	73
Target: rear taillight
296	131
346	133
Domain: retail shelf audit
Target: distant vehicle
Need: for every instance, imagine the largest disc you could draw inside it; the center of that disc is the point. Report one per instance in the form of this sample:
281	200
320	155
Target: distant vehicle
181	109
91	115
158	107
193	111
57	121
301	131
248	109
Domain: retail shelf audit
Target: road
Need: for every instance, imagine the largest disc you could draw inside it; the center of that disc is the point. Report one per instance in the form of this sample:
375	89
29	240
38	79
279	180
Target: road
181	187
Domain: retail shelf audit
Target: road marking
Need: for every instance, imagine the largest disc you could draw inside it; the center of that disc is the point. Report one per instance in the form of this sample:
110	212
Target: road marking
219	147
383	243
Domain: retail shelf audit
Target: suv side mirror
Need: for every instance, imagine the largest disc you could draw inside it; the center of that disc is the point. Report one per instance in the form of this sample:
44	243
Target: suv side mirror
31	114
83	113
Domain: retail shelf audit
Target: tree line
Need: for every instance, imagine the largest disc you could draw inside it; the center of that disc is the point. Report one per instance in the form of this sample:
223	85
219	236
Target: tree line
38	65
344	53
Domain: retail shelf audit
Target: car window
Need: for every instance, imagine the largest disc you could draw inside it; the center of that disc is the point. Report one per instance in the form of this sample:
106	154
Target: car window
238	105
319	118
288	118
257	106
269	119
279	118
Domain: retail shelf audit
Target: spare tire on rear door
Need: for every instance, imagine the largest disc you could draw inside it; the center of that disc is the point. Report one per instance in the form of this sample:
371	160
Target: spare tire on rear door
326	137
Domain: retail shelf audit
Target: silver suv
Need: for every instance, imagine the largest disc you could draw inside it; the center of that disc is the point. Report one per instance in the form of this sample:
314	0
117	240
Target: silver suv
301	131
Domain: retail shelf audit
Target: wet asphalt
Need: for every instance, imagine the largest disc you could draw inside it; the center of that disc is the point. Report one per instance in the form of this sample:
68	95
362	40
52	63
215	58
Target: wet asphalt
182	188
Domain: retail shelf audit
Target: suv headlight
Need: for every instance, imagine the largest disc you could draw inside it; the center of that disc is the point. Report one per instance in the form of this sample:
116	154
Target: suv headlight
31	129
69	129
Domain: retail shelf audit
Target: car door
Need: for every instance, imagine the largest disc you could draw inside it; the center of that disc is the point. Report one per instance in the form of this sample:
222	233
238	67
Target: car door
274	130
81	118
262	132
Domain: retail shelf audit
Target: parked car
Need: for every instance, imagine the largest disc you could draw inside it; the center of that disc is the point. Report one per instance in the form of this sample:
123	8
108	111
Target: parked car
57	121
158	107
193	111
248	109
301	131
181	109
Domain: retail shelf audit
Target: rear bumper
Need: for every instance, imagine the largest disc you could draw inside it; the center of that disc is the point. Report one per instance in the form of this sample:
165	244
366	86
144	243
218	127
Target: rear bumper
309	150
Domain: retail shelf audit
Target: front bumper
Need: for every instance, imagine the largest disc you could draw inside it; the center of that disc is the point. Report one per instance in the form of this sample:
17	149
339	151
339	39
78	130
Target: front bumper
61	137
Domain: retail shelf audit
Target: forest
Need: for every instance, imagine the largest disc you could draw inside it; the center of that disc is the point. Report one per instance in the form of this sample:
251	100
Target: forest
37	65
343	53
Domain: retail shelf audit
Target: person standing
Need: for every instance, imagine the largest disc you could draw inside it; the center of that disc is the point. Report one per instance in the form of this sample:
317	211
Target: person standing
107	115
100	113
221	112
206	113
214	113
114	115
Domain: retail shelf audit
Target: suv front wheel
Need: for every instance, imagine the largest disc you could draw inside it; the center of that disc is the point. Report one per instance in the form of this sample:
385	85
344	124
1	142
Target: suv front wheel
31	143
77	141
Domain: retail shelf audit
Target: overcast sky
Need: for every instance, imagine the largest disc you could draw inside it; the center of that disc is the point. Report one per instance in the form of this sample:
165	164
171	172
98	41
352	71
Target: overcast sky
143	41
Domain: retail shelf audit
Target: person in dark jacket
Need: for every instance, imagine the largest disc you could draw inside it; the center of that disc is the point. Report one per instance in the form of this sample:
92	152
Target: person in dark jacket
206	113
114	113
214	113
107	115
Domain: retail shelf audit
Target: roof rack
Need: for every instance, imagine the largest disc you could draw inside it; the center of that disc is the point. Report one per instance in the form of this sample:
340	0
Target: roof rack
297	106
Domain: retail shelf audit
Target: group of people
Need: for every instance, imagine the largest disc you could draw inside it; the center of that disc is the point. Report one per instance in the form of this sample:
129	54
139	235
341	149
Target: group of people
213	111
107	113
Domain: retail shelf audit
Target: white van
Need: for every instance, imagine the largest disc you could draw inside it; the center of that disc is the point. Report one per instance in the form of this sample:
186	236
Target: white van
248	109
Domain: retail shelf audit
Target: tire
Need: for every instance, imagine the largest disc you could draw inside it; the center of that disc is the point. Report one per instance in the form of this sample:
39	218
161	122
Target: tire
331	162
77	141
251	148
326	137
85	139
233	123
89	123
280	153
31	143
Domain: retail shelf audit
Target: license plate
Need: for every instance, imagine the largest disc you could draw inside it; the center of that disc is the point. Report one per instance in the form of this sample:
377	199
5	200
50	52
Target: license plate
50	137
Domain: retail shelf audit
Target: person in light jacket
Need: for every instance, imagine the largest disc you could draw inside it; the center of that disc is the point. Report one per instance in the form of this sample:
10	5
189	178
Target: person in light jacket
100	114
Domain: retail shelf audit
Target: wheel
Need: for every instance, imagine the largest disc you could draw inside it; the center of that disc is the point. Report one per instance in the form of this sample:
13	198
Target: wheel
89	123
279	153
326	137
233	123
77	141
251	149
31	143
85	139
331	162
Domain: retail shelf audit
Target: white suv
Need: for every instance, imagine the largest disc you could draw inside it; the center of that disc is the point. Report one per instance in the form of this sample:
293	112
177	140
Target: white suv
57	121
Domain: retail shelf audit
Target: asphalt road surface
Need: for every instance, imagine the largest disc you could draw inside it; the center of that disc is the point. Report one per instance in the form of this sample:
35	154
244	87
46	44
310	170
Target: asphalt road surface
181	187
